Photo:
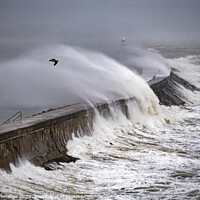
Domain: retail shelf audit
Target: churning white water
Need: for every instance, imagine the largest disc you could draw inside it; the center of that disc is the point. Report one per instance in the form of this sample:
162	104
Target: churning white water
189	69
148	156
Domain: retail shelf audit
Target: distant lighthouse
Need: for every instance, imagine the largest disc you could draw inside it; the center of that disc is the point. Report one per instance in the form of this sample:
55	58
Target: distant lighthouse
123	41
123	44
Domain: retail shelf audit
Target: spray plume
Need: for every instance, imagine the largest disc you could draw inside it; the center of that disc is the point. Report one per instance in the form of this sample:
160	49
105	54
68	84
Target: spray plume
81	75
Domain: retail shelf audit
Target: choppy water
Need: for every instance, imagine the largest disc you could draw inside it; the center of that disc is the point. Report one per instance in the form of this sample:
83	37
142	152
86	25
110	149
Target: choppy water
145	157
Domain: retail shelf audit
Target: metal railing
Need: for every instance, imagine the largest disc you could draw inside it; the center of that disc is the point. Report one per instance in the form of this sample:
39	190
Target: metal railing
16	116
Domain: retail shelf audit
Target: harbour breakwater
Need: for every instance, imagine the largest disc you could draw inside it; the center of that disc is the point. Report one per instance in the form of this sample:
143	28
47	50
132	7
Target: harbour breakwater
167	89
42	138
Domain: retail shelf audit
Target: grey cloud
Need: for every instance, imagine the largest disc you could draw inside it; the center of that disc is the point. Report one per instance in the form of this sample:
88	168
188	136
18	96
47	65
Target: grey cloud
89	22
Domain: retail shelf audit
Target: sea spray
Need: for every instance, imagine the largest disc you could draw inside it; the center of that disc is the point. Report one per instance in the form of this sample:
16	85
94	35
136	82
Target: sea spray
81	75
147	63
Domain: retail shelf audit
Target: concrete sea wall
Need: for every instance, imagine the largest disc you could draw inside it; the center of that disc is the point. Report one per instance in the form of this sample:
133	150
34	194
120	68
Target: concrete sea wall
42	138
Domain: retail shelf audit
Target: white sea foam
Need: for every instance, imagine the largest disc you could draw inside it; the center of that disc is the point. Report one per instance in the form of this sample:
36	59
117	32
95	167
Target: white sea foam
106	130
189	69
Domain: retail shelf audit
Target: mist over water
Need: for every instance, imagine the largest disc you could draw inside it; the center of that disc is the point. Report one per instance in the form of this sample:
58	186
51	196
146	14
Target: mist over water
145	62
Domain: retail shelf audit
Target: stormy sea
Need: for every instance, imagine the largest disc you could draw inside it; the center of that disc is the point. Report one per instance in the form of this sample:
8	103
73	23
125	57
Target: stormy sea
154	154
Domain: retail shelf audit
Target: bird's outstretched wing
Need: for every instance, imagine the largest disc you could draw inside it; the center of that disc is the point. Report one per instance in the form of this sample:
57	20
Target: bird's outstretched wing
55	63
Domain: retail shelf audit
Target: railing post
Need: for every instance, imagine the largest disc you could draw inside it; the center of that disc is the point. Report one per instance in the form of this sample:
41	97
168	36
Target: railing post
9	120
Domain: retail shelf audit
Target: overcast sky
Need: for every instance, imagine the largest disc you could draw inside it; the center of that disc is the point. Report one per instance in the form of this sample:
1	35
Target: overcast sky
96	22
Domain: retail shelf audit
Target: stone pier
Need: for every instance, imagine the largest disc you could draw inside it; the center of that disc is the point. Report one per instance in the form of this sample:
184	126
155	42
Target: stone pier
42	138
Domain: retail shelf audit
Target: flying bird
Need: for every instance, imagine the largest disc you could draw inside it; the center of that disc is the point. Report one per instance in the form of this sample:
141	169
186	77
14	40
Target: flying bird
54	60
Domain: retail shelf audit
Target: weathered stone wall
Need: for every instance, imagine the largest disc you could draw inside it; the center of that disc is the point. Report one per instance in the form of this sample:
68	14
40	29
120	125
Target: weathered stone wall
45	142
